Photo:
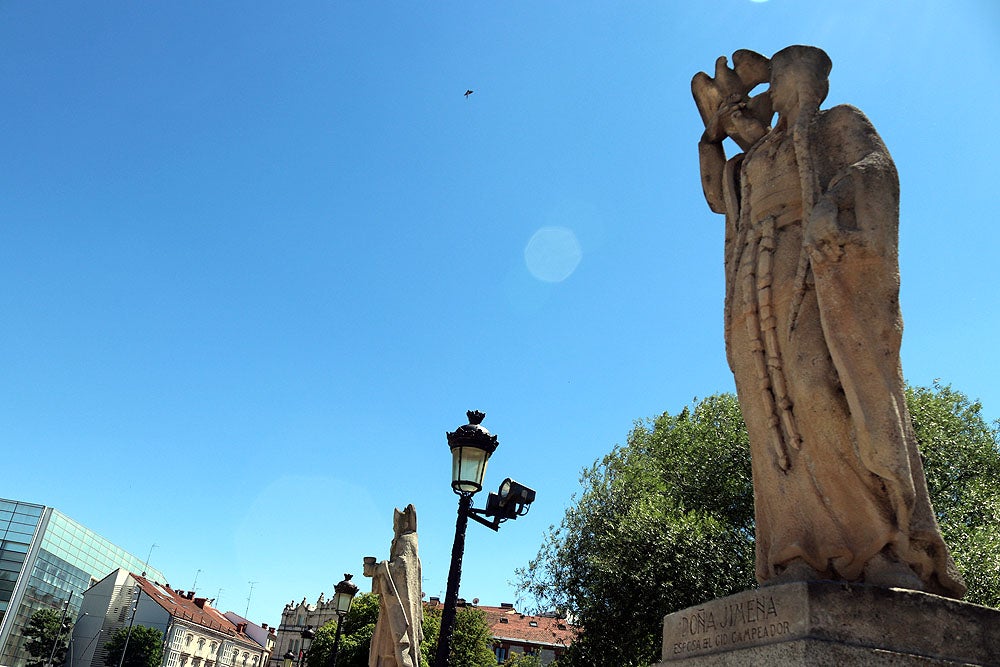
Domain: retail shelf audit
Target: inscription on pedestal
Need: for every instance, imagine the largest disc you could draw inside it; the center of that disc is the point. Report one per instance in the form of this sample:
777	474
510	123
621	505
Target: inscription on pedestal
755	617
832	623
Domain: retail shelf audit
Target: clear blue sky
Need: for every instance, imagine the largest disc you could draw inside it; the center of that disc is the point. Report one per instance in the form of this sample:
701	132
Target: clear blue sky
256	258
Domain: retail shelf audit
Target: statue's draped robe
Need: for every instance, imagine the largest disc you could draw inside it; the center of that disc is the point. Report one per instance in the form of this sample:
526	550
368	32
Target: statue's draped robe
813	337
398	632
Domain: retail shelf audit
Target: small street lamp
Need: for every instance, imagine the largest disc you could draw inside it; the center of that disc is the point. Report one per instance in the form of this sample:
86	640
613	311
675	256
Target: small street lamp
471	447
288	659
306	634
64	626
344	593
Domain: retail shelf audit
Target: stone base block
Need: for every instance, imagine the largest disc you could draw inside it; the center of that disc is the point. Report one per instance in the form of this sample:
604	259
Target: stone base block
830	623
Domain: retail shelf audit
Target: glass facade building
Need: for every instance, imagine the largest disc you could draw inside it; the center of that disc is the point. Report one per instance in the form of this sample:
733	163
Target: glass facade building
46	558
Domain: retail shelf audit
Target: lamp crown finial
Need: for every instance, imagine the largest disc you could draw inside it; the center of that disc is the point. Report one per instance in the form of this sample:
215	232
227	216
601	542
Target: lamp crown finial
475	416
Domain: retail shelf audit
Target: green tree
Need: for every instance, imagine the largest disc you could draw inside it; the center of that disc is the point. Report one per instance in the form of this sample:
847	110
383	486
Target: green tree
666	521
522	660
355	640
432	631
471	644
961	455
44	630
662	523
145	647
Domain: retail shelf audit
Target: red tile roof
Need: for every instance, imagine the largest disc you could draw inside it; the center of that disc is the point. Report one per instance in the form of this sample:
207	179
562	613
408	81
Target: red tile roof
512	626
196	610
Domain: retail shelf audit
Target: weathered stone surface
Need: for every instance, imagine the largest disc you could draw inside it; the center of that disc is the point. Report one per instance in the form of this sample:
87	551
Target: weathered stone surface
832	623
397	581
813	328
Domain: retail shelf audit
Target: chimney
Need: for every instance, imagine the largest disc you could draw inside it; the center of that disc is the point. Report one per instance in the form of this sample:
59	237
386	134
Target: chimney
435	600
506	605
200	602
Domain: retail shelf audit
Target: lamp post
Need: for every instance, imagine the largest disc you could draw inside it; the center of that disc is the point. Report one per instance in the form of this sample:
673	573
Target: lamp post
471	447
64	625
308	633
135	607
344	593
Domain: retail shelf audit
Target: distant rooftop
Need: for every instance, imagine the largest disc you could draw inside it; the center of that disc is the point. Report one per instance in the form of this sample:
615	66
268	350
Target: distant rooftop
509	624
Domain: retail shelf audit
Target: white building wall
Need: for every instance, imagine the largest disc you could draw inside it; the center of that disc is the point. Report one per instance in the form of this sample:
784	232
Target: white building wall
107	606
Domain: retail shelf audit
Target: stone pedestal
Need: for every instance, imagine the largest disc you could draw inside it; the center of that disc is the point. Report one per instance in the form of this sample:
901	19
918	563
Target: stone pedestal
831	624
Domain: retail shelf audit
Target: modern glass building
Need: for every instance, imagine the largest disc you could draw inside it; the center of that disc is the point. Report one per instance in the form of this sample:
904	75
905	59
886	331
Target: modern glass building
46	558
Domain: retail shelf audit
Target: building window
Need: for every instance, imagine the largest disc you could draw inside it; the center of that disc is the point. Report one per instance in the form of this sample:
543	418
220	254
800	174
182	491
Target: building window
172	659
502	653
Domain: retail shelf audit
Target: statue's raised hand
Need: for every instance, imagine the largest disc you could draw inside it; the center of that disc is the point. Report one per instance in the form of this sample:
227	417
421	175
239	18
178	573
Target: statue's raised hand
734	119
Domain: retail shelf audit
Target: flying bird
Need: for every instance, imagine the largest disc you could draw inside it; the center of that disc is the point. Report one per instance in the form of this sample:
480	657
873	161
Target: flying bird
467	93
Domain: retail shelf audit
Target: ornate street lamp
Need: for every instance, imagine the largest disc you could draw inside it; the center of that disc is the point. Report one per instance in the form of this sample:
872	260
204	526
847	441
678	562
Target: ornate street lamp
344	593
288	659
307	634
471	447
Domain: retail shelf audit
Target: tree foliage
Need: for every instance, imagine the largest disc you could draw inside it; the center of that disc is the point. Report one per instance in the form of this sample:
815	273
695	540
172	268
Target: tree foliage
522	660
662	523
44	630
961	455
145	647
355	640
471	644
432	631
666	521
468	643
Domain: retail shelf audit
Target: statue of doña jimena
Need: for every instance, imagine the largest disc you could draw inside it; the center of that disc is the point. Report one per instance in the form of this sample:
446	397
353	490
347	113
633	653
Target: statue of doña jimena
813	328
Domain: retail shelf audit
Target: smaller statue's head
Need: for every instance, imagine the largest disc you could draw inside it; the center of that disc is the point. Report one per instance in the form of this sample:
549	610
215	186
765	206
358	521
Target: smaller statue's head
404	525
799	79
404	521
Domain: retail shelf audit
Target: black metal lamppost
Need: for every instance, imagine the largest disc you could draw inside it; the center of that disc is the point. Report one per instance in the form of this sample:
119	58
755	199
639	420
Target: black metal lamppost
307	634
288	659
64	626
344	593
471	447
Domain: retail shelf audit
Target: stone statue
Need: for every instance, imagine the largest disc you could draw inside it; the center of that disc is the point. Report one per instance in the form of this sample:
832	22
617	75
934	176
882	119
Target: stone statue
398	632
813	328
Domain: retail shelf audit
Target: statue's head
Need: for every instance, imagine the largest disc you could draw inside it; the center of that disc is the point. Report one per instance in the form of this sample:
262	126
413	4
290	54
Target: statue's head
799	78
404	525
404	521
